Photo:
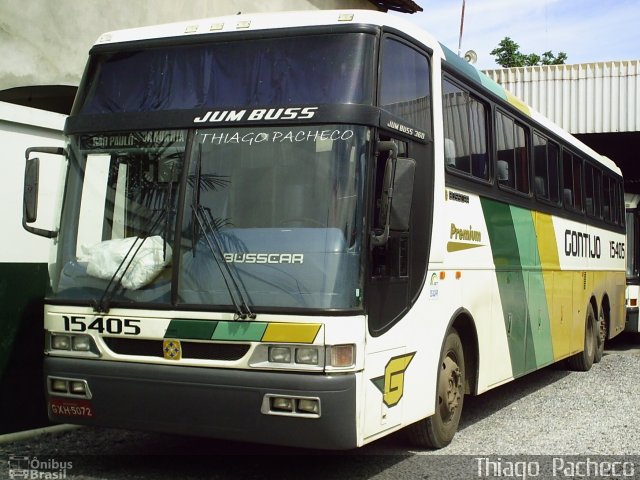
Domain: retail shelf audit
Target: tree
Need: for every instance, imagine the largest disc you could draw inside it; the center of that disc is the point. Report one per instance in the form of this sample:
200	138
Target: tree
508	55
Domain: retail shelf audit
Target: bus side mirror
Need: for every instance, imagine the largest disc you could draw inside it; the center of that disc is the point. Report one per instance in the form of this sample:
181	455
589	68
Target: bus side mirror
397	193
400	214
30	192
380	238
30	204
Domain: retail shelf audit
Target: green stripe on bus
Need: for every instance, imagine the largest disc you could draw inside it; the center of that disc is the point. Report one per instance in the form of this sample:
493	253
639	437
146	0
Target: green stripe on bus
190	329
520	284
506	257
239	331
539	350
473	73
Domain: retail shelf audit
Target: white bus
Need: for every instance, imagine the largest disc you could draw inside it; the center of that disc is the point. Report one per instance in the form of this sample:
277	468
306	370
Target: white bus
632	202
315	229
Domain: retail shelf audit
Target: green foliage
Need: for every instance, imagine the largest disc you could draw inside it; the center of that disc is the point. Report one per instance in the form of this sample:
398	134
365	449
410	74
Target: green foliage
508	55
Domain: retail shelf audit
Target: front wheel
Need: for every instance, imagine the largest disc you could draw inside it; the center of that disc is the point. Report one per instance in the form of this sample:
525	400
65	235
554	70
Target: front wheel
438	430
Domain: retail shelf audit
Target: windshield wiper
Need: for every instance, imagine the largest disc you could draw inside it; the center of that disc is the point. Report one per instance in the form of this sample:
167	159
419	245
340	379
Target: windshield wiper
210	229
103	305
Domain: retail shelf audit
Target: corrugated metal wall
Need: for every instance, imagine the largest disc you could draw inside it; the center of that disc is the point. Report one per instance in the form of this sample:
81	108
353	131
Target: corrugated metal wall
598	97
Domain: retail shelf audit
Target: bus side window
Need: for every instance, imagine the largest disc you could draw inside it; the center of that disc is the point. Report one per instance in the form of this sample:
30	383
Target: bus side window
593	180
512	150
465	131
546	180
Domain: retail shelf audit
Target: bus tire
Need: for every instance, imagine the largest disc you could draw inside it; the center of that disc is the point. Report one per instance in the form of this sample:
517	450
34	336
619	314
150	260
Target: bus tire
583	360
601	335
438	430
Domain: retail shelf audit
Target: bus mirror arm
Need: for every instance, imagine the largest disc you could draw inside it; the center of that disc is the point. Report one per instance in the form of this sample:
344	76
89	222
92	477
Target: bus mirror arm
30	192
380	239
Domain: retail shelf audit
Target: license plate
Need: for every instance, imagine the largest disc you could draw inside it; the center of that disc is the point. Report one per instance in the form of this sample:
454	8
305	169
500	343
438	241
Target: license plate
71	407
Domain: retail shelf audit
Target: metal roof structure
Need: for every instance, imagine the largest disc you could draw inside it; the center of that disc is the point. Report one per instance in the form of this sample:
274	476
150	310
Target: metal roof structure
597	102
601	97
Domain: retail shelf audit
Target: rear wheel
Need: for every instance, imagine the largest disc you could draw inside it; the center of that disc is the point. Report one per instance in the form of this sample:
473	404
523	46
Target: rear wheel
438	430
601	335
584	360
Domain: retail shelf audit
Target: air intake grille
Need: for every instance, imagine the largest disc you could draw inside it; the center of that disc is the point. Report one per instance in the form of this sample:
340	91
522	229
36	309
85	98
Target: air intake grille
153	348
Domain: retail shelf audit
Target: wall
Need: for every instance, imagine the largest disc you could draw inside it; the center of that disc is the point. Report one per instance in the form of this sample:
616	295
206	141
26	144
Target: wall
45	42
23	265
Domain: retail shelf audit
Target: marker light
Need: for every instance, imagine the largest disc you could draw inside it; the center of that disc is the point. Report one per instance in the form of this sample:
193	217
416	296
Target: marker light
342	355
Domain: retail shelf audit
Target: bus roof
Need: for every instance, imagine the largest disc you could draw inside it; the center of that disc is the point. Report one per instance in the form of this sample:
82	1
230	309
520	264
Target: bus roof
267	21
276	20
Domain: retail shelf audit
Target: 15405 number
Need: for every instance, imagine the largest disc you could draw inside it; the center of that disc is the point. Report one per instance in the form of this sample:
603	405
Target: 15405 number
112	325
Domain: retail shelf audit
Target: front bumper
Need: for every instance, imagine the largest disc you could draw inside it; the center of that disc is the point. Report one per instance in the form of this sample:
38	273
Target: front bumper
209	402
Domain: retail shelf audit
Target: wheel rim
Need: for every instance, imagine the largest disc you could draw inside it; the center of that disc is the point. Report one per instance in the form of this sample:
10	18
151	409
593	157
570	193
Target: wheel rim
590	339
602	330
450	389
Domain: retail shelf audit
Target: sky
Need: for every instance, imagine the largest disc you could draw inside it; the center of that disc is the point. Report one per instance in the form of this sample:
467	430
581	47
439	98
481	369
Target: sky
586	30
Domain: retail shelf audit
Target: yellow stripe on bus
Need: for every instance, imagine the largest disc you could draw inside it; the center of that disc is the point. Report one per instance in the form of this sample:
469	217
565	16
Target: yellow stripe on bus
291	332
557	285
519	104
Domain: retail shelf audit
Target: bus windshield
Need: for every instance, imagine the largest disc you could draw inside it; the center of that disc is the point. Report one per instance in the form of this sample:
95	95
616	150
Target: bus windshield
309	69
275	211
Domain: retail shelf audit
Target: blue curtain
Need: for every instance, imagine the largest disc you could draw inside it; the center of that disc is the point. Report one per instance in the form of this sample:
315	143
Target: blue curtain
263	72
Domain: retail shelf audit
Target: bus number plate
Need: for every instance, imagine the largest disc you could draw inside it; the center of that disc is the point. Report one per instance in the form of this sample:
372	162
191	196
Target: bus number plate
71	407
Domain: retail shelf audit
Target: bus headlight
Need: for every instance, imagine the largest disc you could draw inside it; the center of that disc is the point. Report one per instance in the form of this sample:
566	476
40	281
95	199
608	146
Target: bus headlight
307	355
280	354
59	385
309	405
83	344
304	357
60	342
295	355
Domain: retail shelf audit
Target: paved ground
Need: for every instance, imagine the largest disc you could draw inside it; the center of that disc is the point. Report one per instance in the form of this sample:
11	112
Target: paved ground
547	414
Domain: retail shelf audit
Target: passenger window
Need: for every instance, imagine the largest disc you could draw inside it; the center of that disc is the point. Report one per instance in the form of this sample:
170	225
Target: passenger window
577	183
606	198
546	174
592	187
465	132
553	156
512	168
540	167
572	181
